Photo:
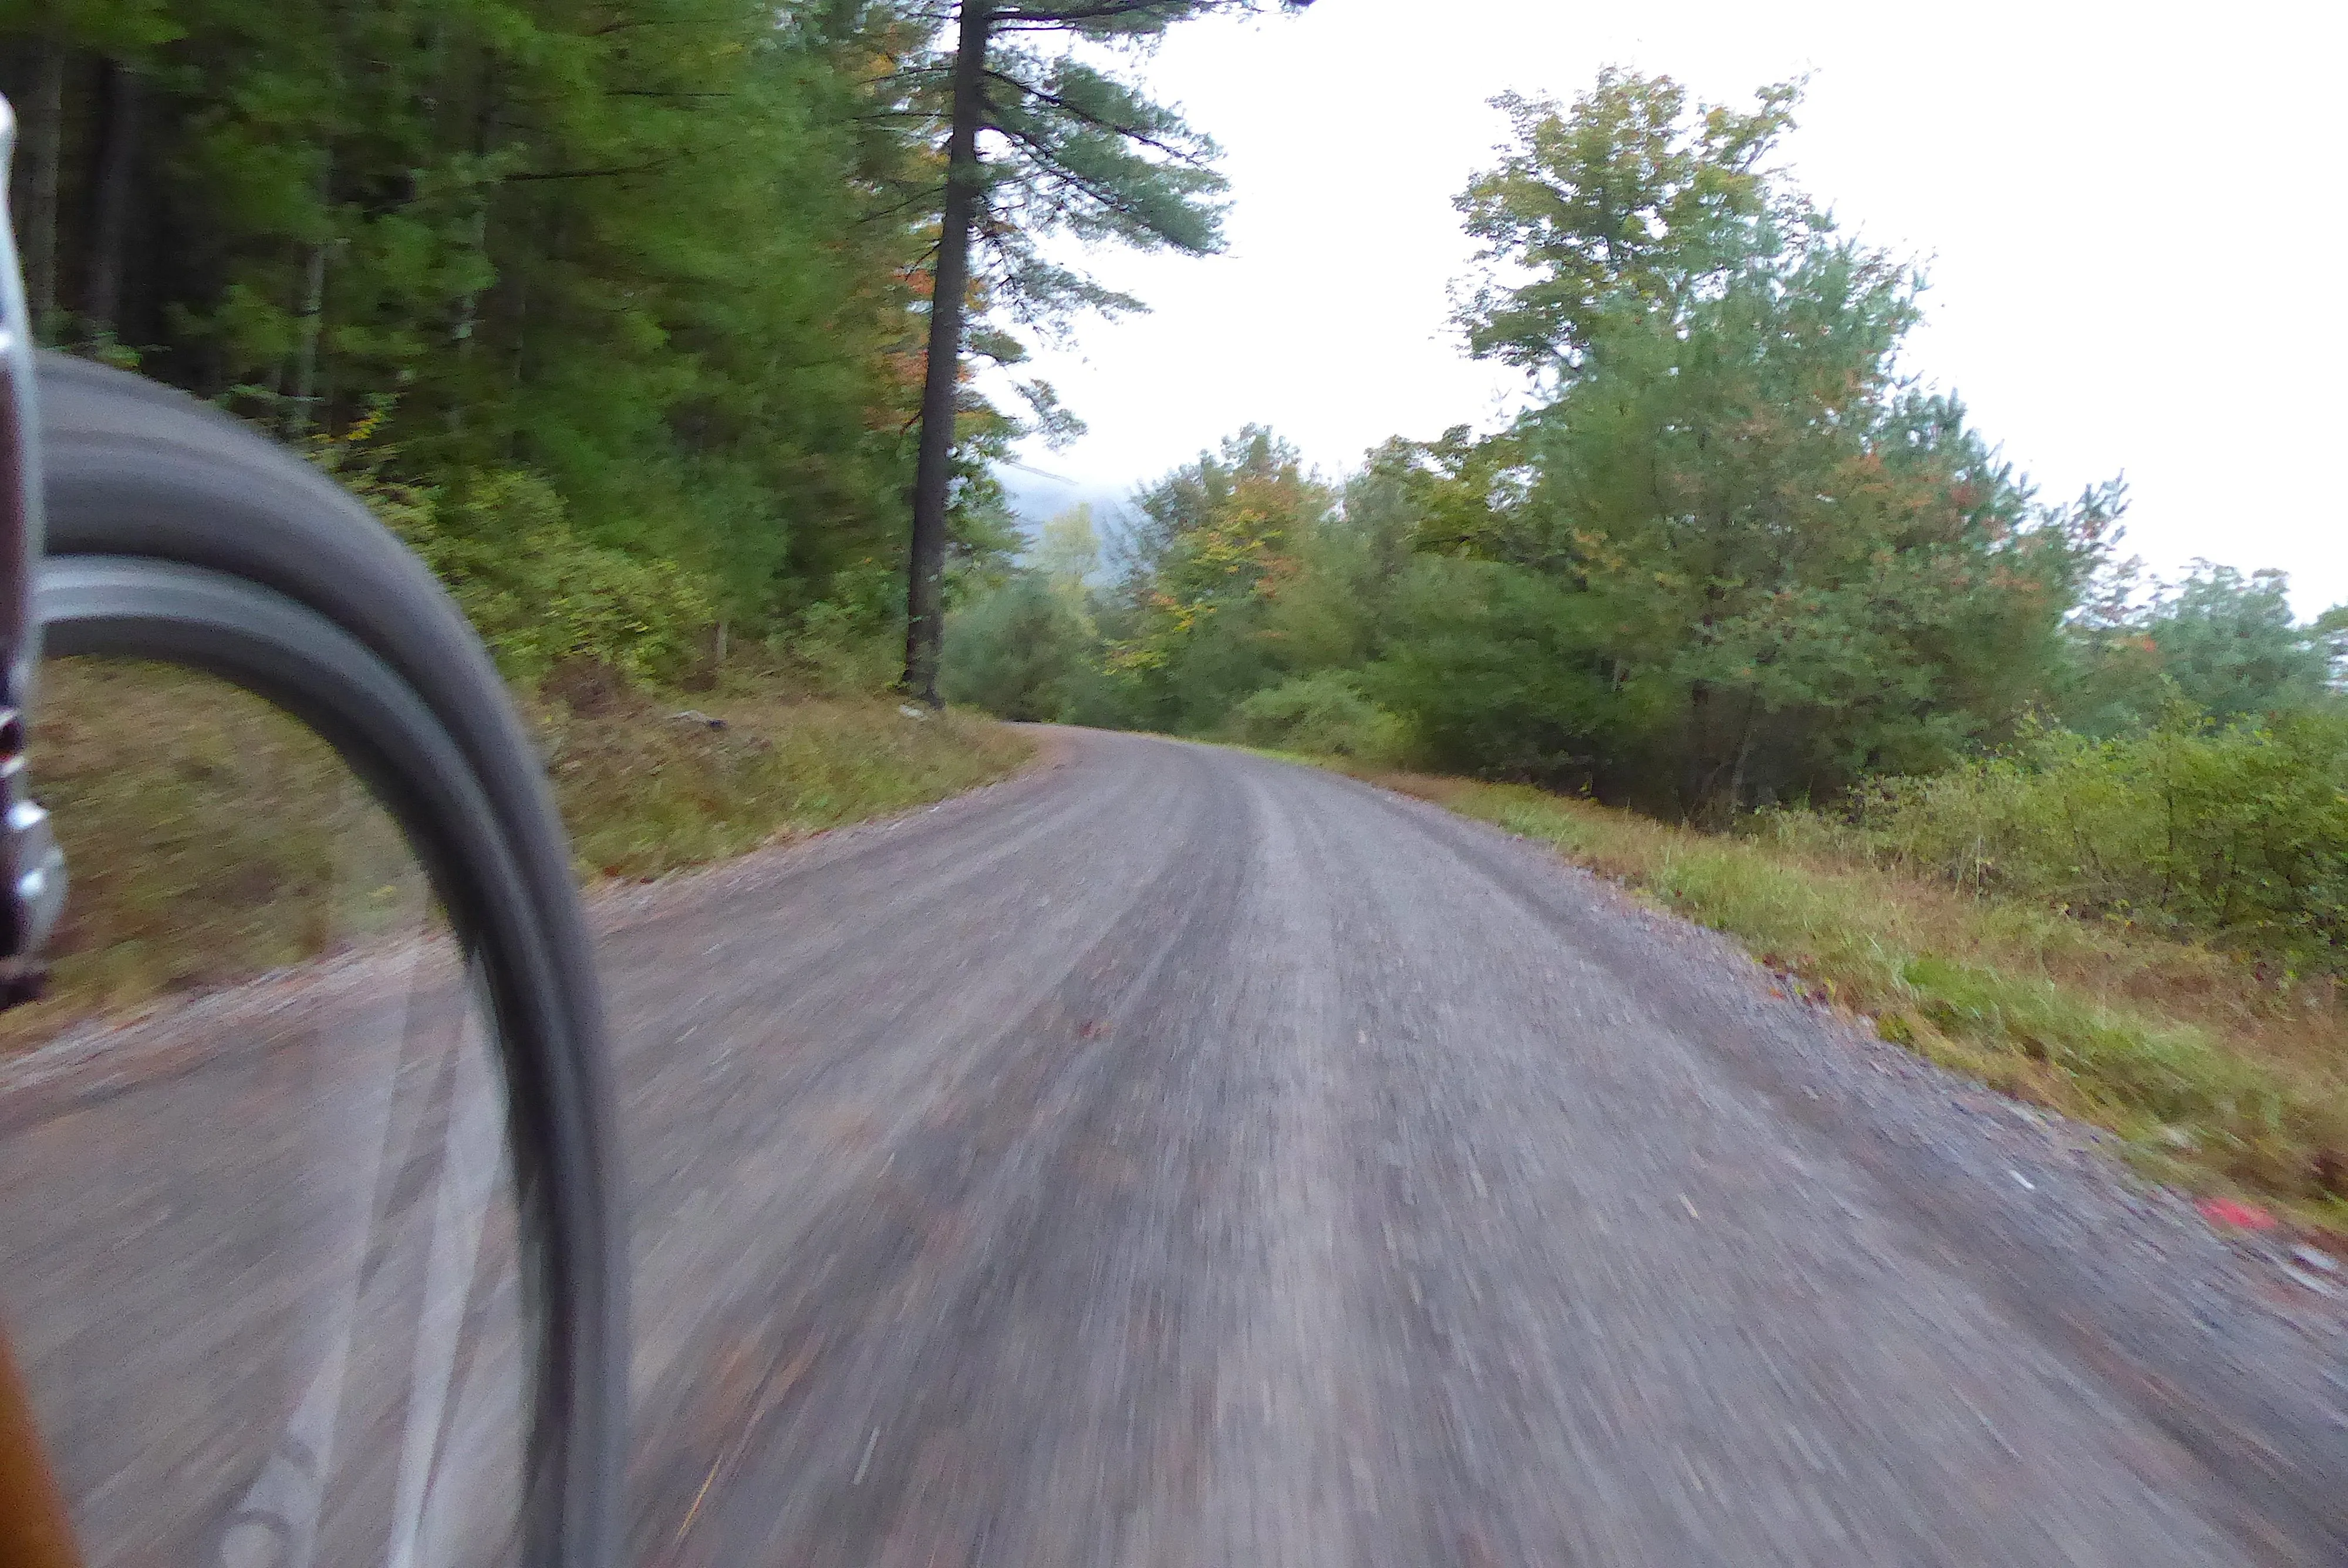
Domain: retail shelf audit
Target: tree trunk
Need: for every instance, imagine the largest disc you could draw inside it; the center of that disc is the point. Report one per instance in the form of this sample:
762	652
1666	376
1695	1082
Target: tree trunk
1744	755
933	469
468	308
109	228
468	319
557	230
485	120
1695	760
312	309
45	127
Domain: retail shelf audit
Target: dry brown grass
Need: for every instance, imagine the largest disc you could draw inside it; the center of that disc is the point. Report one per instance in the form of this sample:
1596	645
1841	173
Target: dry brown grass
210	839
644	792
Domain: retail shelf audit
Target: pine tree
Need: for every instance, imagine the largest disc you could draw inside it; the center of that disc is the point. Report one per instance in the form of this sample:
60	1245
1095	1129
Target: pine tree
1038	140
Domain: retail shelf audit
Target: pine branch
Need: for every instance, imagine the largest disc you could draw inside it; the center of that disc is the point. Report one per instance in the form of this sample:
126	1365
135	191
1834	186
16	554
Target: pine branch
1134	133
1105	10
1110	199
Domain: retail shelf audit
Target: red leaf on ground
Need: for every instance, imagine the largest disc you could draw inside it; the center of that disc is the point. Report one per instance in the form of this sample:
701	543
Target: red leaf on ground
2243	1216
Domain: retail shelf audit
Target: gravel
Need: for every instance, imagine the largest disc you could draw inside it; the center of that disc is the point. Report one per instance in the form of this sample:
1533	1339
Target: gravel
1172	1156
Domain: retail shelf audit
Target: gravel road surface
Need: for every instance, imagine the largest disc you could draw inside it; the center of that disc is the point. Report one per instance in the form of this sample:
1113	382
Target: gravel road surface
1176	1157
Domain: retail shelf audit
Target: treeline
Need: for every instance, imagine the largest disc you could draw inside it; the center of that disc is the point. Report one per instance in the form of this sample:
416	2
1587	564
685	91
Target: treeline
649	320
619	307
1732	558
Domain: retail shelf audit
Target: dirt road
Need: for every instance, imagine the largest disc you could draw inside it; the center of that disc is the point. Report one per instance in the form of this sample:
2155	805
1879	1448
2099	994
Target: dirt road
1181	1158
1174	1157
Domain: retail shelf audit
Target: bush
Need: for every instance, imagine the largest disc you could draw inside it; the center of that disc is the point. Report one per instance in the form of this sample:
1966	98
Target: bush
538	592
851	642
1019	652
2235	835
1322	714
1491	666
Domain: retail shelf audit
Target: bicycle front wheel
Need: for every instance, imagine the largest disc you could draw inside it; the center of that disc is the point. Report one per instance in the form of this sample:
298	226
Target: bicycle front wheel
321	1266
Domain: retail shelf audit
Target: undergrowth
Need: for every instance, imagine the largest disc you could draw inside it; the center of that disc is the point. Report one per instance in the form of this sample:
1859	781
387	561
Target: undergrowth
644	791
2232	835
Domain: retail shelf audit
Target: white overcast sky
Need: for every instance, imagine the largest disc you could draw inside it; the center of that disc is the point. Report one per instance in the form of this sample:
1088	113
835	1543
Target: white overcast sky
2131	214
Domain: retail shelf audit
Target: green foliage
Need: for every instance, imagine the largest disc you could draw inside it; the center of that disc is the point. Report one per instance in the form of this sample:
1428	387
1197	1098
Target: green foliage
1238	572
2331	636
1077	148
2232	646
1787	568
540	594
1089	155
1215	546
1068	552
1624	205
2221	641
1324	714
1497	673
1339	609
1016	651
2236	834
847	643
660	267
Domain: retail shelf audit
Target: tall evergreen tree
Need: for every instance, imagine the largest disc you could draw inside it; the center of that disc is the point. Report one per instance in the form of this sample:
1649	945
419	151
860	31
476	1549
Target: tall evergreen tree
2218	641
1039	139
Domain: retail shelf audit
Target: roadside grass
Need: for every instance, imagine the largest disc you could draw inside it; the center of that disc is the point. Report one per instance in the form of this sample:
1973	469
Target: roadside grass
208	837
644	792
2215	1078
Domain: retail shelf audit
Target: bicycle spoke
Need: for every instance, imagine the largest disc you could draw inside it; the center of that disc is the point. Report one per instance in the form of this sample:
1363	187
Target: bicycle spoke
281	1323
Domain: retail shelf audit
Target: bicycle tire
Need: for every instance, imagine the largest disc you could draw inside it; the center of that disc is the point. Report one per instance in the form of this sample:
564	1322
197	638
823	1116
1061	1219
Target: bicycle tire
176	535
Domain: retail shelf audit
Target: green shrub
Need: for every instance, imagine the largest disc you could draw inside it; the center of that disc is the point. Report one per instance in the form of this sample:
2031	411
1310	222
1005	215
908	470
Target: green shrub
1321	714
1019	651
2235	835
851	642
1491	666
537	592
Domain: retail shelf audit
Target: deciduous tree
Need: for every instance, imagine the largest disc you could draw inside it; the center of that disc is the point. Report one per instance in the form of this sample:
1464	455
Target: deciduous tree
1795	563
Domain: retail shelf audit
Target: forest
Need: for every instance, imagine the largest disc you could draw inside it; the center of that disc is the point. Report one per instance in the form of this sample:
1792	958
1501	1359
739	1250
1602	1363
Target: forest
622	310
665	329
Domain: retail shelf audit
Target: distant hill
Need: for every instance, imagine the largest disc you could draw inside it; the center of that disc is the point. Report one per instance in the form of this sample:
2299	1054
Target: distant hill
1037	498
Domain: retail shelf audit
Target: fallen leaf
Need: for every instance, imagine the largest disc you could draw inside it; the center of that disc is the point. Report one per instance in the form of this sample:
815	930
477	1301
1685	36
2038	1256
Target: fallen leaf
2241	1216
